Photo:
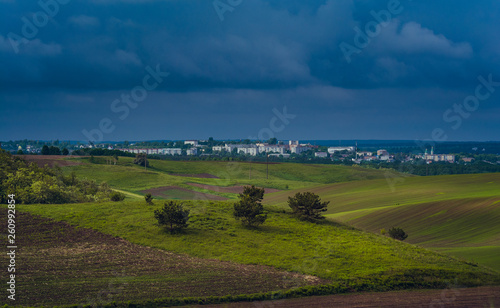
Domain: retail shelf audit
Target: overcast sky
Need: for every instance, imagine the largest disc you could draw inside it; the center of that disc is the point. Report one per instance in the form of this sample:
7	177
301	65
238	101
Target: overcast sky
291	69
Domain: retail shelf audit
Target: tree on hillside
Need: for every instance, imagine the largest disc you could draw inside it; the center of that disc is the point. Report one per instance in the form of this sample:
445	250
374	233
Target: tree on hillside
141	159
149	198
65	151
307	206
397	233
250	209
173	216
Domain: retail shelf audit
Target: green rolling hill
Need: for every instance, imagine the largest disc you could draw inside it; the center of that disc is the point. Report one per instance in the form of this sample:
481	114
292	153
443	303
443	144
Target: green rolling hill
457	214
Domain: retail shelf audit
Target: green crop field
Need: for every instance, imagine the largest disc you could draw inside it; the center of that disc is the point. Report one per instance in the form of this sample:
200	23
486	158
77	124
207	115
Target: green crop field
456	214
454	218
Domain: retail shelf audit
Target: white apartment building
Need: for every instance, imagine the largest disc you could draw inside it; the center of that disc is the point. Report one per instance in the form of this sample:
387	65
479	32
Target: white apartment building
299	149
272	149
321	154
332	150
192	142
249	151
192	151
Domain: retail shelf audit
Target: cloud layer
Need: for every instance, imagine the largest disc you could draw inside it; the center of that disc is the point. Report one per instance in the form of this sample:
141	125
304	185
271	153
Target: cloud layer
273	48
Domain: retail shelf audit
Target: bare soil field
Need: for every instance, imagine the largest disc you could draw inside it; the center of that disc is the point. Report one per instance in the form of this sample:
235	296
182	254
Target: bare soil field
198	175
51	160
449	298
230	189
59	264
175	192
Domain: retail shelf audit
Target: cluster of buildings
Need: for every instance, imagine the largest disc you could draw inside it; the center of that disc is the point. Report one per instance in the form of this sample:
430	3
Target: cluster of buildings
381	155
163	151
281	149
293	147
166	151
436	157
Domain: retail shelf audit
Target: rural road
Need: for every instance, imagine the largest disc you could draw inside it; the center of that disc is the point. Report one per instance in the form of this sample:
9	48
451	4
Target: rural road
470	297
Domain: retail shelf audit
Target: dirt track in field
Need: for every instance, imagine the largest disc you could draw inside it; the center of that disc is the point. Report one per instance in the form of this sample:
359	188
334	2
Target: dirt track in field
230	189
162	192
449	298
51	160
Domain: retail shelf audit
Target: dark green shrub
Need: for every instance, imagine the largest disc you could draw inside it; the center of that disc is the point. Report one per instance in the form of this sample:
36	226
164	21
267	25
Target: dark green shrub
116	196
397	233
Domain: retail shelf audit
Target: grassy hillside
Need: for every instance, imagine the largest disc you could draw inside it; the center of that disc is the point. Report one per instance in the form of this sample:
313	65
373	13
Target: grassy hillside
454	213
330	251
132	178
62	265
457	214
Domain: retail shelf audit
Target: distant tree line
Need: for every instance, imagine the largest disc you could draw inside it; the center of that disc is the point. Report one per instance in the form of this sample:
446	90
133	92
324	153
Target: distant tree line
102	152
53	150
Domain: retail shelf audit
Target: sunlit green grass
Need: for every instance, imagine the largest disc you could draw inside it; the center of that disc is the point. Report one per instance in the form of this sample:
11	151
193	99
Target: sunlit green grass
329	250
452	213
440	212
487	255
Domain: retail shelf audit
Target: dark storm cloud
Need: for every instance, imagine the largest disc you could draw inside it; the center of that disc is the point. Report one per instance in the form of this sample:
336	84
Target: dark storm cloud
107	44
426	58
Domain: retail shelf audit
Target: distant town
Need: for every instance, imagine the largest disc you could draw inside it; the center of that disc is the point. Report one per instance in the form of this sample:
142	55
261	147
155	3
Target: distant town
272	149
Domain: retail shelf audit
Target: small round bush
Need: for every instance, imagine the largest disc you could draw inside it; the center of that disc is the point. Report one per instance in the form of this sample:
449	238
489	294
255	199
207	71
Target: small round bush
116	196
